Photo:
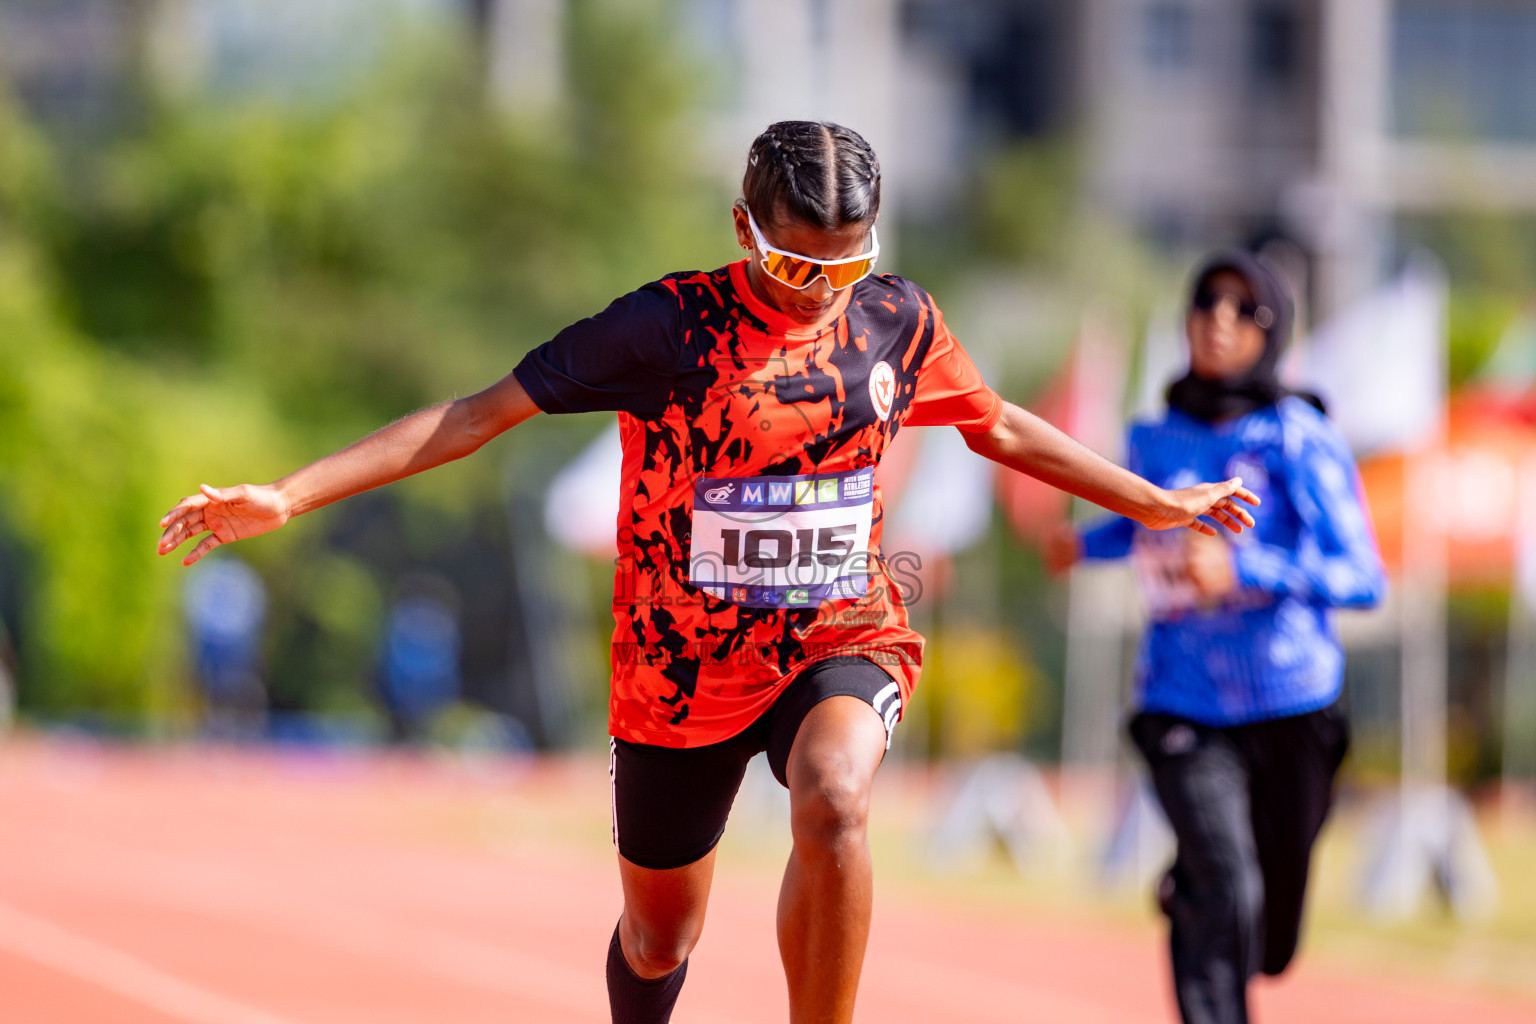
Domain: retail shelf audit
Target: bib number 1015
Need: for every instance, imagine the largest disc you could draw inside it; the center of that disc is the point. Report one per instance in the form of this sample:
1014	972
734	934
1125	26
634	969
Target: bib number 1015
779	549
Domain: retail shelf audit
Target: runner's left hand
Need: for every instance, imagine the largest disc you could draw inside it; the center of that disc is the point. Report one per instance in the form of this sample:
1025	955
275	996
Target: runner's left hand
1061	548
1221	502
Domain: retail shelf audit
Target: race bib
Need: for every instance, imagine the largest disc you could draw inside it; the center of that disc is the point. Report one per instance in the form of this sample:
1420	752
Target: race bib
783	541
1158	560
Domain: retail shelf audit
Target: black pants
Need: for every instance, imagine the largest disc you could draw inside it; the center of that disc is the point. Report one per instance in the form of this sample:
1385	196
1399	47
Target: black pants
1246	804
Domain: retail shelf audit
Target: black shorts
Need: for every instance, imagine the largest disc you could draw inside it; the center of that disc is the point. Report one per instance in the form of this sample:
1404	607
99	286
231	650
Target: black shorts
670	805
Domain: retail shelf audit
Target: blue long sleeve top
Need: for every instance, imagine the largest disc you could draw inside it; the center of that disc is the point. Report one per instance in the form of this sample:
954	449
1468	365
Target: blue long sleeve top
1269	650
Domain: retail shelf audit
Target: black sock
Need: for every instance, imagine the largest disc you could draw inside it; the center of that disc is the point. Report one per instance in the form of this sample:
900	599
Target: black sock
636	1000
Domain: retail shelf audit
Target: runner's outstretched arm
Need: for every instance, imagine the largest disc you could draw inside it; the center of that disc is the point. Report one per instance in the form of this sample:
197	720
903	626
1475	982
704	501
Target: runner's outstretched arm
1025	442
431	437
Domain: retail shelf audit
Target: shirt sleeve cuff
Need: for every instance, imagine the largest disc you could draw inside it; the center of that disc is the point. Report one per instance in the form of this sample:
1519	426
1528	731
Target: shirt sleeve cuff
984	423
529	376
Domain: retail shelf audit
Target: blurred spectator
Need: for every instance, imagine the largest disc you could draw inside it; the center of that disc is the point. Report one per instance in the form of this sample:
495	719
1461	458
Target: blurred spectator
7	680
226	606
419	664
1241	669
11	589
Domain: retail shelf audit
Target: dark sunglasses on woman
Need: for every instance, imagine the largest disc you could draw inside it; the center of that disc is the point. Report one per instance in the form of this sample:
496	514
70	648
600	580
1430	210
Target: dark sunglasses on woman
1205	301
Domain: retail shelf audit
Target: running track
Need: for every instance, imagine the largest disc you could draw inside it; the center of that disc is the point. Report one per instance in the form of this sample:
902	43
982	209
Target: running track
198	887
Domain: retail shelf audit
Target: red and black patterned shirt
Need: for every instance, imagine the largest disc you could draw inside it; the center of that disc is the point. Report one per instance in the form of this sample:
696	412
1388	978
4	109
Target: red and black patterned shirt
749	520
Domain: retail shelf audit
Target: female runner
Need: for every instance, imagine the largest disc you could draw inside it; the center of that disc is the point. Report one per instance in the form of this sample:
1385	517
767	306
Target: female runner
752	608
1240	669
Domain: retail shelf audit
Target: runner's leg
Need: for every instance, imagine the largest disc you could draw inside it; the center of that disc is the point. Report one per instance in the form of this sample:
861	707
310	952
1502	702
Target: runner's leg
1292	765
824	905
669	810
1216	905
662	921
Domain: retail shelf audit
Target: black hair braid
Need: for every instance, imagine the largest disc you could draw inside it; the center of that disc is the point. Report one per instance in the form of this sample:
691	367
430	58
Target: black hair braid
790	158
812	171
858	175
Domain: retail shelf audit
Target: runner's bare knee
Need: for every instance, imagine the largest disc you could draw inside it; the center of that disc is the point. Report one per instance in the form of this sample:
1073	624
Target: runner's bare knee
655	951
830	801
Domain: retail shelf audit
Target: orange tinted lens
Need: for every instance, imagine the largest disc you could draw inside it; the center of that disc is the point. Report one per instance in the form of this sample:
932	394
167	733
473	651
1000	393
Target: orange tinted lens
799	273
844	274
793	272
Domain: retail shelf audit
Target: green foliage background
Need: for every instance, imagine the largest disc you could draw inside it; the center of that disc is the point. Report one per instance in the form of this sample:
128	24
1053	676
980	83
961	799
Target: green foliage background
232	286
224	285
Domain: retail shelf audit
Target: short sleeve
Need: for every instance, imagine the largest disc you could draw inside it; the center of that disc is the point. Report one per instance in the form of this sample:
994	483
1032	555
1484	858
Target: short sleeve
624	359
950	391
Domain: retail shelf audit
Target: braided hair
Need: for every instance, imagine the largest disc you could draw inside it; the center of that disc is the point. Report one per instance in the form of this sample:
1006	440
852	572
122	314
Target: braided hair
815	172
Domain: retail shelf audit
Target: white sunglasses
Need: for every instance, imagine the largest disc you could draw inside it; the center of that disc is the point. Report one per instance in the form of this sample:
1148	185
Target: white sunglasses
800	272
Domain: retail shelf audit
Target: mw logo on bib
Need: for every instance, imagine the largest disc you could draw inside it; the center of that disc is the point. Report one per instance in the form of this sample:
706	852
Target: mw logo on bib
783	541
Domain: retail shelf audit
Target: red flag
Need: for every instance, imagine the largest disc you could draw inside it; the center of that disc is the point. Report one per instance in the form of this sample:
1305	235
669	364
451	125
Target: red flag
1084	400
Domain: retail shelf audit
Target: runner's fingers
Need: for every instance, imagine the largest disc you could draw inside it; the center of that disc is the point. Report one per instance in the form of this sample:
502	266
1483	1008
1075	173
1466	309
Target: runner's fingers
1232	515
1241	513
1234	487
1200	526
207	544
1226	519
191	503
180	530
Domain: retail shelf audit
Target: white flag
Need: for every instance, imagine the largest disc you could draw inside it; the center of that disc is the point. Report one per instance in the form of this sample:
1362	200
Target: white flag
1525	534
1164	359
581	510
1380	364
947	501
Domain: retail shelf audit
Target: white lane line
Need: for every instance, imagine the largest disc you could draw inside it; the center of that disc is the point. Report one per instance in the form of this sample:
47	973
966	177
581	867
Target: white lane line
46	943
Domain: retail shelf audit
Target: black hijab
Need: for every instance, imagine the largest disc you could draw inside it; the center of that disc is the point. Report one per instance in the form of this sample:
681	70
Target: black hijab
1213	400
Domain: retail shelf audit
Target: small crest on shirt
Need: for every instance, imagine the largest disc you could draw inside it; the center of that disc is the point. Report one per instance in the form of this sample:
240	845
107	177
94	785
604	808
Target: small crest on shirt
882	389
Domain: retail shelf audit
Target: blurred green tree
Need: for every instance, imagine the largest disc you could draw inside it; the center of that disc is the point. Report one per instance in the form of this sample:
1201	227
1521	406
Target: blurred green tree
236	284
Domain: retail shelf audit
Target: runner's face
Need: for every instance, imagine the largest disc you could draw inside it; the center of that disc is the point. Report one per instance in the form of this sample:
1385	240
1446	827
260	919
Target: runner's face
802	305
1222	343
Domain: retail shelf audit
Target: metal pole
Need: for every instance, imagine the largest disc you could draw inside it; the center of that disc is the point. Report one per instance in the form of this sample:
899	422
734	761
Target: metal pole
1519	760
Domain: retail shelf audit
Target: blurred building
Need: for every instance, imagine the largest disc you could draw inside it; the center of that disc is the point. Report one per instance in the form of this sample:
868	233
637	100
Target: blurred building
66	59
1209	121
1199	121
69	59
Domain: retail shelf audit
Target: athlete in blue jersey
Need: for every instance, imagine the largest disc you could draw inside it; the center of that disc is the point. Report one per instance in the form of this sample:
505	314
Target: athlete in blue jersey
1240	669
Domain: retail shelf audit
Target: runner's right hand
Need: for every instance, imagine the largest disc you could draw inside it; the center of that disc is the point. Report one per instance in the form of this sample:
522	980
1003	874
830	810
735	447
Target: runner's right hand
226	514
1062	548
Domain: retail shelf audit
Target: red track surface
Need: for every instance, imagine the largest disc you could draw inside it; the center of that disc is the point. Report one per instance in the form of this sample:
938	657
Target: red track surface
221	888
